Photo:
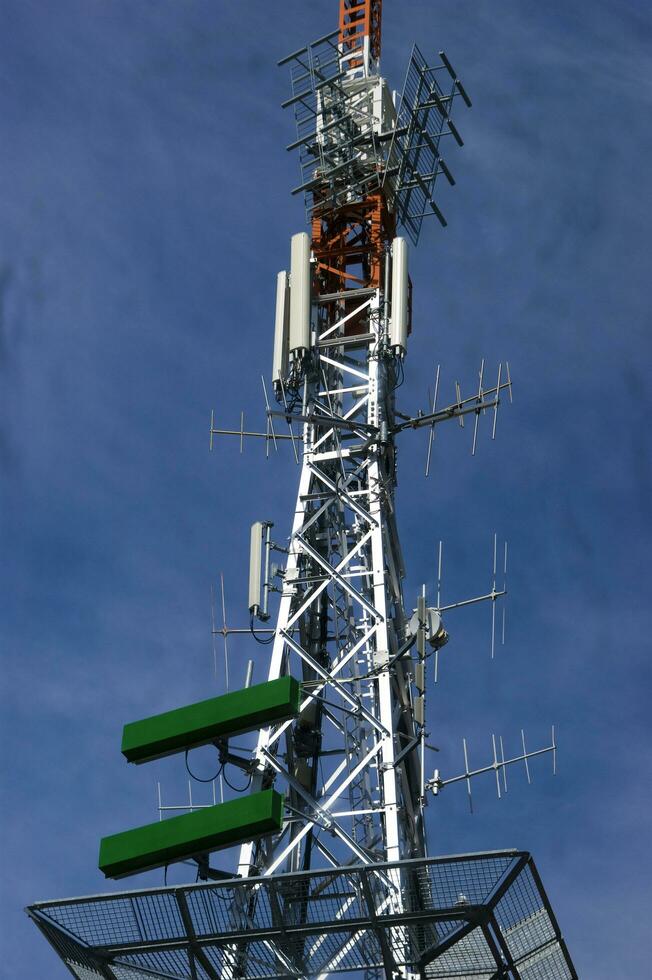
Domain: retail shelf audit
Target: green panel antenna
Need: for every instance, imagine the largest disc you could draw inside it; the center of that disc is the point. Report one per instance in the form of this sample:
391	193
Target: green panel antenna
209	829
241	711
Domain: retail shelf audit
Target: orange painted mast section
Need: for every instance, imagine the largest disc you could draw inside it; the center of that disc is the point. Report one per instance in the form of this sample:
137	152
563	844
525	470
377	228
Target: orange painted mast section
349	242
360	19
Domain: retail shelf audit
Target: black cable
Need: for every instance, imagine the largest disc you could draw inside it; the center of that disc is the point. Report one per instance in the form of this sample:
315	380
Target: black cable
288	403
198	778
231	786
399	369
264	643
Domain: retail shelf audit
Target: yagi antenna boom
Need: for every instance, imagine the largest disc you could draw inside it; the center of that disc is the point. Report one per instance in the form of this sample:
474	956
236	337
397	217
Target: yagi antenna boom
498	766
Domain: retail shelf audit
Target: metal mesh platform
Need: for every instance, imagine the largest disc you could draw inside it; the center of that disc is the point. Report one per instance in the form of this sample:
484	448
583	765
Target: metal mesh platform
475	916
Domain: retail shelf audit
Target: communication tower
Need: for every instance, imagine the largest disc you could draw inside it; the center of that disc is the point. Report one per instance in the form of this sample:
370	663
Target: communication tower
333	873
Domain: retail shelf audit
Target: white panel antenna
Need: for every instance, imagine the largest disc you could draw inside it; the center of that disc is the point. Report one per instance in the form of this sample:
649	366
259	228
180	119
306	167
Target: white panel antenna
400	294
300	291
259	550
281	328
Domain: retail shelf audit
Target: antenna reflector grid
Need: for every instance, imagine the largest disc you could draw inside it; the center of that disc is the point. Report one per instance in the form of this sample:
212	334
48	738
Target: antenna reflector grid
414	159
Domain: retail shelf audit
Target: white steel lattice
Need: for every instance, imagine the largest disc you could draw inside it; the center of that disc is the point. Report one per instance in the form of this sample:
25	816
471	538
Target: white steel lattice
341	624
346	886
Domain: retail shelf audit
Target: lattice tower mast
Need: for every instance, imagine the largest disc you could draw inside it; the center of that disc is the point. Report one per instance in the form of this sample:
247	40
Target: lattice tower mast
338	880
352	773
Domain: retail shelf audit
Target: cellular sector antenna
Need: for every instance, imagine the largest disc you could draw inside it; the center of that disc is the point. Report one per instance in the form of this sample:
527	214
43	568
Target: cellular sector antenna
331	869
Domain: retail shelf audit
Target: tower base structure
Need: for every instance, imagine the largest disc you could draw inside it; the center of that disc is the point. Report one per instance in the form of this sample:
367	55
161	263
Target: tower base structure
474	916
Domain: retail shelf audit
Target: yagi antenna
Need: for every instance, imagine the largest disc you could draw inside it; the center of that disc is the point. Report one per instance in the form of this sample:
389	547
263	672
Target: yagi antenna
498	766
483	400
270	435
492	596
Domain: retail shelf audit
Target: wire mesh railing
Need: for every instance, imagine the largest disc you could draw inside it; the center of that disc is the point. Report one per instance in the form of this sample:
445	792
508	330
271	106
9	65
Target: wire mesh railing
465	916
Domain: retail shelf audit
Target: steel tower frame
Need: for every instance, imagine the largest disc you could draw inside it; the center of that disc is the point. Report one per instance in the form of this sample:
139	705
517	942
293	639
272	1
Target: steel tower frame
347	885
354	761
342	616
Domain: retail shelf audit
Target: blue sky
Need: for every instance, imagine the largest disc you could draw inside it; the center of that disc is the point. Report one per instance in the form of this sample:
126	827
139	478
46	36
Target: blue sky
144	213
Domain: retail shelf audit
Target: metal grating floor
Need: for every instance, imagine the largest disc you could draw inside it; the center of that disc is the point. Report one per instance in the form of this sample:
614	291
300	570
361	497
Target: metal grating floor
473	917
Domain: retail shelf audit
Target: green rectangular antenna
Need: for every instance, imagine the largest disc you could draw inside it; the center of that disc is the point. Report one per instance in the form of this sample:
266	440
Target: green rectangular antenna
241	711
209	829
